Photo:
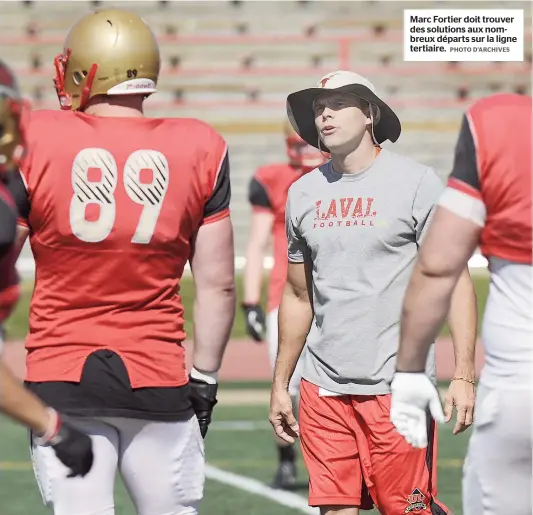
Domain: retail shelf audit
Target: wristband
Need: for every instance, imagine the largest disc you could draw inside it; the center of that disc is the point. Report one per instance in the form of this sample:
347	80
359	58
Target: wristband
250	305
206	377
54	425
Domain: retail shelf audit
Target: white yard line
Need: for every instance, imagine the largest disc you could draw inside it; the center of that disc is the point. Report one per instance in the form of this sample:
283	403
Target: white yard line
255	487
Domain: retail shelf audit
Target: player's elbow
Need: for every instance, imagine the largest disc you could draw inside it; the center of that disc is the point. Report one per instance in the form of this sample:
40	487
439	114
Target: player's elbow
438	264
448	245
223	282
226	288
435	272
439	269
217	285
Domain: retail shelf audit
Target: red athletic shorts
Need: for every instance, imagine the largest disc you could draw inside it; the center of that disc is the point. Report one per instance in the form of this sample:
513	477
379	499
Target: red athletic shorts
355	457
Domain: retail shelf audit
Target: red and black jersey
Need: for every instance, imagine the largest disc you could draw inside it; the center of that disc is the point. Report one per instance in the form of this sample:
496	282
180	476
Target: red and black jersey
491	178
112	205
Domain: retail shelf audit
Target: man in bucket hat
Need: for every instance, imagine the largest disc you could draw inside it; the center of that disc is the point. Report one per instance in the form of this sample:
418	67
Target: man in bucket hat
354	226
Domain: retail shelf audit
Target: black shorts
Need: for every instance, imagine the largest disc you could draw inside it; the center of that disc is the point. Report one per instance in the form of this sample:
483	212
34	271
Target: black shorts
105	391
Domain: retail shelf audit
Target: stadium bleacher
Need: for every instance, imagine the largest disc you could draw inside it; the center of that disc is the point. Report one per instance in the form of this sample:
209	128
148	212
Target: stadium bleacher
232	63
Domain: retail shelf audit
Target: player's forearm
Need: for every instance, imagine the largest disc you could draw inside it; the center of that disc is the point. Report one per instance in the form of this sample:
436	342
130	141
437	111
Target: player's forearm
20	404
425	307
294	322
253	275
462	320
214	313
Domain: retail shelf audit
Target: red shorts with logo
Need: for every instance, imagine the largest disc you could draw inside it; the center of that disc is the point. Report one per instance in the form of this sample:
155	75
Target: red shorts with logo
355	457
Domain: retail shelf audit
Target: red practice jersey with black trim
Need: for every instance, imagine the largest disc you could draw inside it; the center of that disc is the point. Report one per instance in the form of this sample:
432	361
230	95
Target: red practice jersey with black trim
268	192
491	178
112	207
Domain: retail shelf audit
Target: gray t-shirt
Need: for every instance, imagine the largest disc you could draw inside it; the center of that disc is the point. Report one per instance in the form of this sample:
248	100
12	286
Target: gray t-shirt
361	233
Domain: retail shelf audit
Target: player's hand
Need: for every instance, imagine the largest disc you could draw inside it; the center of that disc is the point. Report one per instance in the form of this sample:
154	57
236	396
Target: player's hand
412	394
203	397
462	395
281	415
255	321
73	448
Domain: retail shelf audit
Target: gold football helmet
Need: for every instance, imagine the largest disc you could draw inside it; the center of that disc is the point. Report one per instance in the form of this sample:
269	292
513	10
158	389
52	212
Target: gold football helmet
109	52
12	111
301	155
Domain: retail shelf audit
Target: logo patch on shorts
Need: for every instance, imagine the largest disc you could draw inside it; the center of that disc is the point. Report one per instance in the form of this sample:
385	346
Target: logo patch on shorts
416	501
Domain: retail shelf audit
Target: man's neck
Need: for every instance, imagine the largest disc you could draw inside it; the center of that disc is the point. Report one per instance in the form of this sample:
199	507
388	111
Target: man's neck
357	160
119	107
114	111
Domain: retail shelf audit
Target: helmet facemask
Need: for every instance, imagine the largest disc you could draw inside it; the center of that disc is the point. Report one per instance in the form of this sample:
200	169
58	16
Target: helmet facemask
78	77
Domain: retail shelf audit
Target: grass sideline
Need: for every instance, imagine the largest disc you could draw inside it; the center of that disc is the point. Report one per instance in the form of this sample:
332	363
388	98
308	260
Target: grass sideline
17	325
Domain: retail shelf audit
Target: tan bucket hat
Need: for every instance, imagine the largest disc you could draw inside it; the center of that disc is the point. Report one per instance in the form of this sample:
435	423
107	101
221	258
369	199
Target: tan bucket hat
300	111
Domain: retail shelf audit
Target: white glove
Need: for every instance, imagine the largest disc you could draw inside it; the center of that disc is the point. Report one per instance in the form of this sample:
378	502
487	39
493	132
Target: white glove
411	395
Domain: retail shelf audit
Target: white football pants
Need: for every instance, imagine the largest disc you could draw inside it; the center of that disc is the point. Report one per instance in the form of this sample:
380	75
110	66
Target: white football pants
272	338
497	474
161	464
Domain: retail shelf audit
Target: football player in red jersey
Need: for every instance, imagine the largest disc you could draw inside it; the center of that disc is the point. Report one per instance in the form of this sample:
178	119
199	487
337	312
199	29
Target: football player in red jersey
487	202
268	196
72	447
115	204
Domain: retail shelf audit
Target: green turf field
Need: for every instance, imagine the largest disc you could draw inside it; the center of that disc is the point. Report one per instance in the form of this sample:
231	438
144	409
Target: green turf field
247	452
17	325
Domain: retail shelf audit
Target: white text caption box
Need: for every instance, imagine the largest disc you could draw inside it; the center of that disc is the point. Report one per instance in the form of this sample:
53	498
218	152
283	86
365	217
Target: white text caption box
463	35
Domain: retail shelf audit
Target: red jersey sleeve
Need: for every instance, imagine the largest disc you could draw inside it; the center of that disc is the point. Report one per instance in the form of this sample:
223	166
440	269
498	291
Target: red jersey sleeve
218	184
464	174
258	196
262	191
463	194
